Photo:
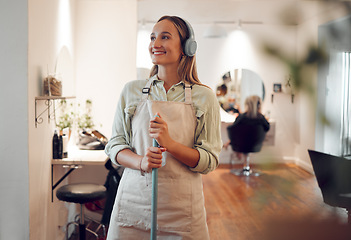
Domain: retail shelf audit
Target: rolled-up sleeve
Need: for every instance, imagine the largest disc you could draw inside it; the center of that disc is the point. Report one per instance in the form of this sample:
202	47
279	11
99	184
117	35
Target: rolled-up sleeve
120	137
208	140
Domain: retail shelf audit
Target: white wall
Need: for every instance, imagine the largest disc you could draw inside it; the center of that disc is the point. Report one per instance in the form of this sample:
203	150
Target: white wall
14	188
105	55
92	58
51	25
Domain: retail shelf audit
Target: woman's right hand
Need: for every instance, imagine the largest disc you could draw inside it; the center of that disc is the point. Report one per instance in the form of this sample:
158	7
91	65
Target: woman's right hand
152	159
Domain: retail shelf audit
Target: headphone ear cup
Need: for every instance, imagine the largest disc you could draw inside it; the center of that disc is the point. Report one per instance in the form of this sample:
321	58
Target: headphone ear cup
190	44
190	47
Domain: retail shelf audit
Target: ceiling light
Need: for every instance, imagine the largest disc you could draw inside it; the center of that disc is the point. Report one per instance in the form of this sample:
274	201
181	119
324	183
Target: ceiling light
238	26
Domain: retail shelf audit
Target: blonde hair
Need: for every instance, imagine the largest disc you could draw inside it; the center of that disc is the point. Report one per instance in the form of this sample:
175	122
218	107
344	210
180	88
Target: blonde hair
253	106
187	66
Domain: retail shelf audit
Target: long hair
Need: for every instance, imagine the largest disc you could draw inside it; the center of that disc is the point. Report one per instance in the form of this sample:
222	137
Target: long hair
253	106
187	66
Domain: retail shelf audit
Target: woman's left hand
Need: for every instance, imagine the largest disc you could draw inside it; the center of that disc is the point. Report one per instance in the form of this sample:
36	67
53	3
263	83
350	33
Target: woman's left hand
159	131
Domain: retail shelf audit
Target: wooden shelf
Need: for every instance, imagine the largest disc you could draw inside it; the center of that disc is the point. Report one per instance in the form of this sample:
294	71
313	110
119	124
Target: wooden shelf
52	97
48	102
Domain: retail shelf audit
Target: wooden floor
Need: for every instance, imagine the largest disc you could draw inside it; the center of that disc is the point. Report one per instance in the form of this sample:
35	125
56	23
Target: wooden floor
283	203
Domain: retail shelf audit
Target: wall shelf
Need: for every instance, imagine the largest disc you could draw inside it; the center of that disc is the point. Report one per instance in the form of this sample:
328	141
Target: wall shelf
292	97
49	102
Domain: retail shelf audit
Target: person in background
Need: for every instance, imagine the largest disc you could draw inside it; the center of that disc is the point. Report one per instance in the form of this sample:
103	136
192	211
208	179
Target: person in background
226	96
187	129
221	93
252	115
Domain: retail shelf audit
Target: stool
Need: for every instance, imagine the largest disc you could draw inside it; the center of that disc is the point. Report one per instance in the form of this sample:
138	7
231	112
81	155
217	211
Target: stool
81	193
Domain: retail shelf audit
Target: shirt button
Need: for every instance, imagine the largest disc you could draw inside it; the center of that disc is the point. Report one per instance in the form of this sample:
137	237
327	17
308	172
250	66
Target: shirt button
172	89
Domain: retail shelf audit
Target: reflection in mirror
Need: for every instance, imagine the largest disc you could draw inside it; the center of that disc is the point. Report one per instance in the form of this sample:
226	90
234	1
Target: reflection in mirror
236	86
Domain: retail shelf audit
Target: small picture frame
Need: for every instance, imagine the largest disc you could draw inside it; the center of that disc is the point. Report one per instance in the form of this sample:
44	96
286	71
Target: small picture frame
277	87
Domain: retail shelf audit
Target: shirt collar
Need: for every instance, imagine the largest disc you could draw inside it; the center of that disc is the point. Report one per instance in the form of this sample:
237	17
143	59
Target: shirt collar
155	81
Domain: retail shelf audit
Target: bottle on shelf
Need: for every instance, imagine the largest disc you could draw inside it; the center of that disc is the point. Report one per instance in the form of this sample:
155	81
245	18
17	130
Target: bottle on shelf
55	146
60	147
64	146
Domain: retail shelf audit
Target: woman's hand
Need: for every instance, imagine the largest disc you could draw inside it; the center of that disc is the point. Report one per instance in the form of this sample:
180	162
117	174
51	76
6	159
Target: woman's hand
159	131
152	159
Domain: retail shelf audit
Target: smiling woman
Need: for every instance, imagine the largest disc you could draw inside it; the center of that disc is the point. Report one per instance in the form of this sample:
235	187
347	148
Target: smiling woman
182	115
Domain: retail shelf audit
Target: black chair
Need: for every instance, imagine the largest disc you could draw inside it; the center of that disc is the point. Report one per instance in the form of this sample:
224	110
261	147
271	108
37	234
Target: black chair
246	139
112	182
81	193
333	175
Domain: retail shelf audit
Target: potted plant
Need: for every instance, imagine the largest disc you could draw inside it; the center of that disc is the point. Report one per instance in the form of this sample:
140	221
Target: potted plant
89	138
66	118
64	124
85	120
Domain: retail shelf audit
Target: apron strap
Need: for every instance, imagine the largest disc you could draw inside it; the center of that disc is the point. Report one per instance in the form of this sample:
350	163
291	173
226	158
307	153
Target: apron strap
146	90
187	89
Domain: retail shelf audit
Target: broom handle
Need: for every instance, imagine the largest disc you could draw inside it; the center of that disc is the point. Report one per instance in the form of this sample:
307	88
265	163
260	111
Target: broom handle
154	198
154	204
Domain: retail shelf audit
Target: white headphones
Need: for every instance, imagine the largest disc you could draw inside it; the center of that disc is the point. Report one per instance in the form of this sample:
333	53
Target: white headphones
190	44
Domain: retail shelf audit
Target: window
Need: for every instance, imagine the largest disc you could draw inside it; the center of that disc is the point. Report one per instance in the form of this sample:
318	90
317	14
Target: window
346	106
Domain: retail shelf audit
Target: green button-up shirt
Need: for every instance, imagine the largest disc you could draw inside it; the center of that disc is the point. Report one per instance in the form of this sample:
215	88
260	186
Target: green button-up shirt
207	133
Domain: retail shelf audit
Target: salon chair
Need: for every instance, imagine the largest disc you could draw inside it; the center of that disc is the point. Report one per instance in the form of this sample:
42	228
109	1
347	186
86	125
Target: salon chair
112	182
246	139
81	193
333	175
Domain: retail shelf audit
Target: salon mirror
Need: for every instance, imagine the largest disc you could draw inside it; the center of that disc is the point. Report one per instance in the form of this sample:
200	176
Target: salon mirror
236	86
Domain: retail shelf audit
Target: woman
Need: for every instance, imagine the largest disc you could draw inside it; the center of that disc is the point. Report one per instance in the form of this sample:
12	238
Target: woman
188	130
252	115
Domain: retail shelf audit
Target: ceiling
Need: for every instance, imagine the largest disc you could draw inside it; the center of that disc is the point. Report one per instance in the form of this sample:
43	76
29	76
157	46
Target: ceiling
210	11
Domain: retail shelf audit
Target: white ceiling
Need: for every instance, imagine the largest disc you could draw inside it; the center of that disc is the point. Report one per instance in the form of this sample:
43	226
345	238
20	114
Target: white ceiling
210	11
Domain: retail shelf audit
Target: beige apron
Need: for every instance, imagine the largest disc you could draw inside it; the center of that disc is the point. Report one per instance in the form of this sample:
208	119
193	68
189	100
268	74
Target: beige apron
180	207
